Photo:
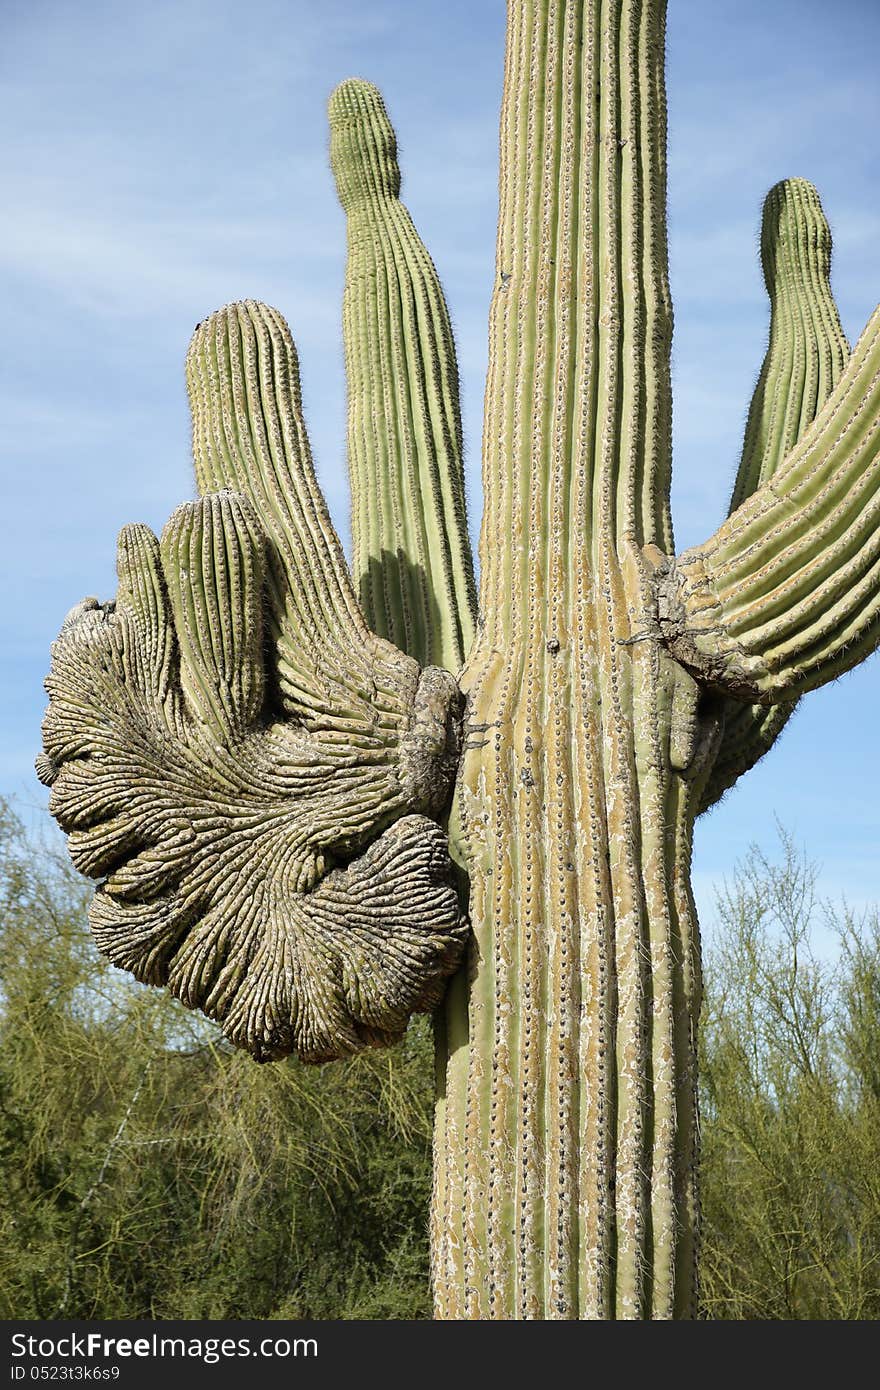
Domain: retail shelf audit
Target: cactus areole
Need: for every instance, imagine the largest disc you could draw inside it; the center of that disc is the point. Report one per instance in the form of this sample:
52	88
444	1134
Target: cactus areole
301	822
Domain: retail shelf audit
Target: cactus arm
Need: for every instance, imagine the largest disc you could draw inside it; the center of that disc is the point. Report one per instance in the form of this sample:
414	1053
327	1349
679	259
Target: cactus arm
808	349
786	594
805	357
750	731
411	552
249	435
412	557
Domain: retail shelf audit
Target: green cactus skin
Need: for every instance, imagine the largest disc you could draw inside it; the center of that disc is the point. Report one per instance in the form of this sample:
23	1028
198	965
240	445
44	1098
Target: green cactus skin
258	778
785	595
412	558
808	349
572	1132
411	553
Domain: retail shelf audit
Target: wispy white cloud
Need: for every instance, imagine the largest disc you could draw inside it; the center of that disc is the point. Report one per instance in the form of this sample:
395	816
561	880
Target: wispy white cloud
34	423
137	266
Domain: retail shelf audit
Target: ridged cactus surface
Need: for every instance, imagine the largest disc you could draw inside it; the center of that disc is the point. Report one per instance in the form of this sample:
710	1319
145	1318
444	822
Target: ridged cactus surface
411	552
289	800
805	357
572	1124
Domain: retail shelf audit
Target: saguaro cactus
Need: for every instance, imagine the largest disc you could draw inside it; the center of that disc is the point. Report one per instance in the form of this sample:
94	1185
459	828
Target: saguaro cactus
263	784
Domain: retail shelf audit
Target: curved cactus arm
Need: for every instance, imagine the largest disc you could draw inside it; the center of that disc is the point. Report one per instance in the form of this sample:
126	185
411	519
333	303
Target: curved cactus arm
805	358
750	731
808	349
412	557
786	594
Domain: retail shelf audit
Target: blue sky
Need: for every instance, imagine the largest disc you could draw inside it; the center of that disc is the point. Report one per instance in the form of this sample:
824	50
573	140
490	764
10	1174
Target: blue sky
163	158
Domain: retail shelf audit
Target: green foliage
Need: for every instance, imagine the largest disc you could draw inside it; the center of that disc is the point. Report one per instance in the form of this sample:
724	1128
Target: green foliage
791	1104
148	1170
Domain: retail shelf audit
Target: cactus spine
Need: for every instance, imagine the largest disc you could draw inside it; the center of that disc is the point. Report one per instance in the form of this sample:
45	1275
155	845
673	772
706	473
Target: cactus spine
265	812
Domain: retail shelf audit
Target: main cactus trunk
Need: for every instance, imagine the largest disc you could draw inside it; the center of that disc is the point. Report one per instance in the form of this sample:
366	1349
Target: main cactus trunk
566	1136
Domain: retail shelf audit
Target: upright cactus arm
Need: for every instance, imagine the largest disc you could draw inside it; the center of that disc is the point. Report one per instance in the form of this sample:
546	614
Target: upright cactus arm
786	594
805	358
411	552
249	435
808	350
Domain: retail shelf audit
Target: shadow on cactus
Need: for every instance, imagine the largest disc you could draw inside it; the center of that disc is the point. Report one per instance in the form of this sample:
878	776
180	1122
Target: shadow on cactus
260	827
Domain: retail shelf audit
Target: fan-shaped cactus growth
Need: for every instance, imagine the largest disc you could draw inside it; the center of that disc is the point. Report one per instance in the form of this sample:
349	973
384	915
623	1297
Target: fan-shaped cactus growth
260	828
260	782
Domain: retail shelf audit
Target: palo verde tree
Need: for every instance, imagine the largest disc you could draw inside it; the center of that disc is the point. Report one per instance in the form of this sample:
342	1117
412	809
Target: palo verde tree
262	758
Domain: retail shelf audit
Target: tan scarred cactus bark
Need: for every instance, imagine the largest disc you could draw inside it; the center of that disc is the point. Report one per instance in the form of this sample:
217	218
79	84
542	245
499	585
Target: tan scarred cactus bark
264	786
